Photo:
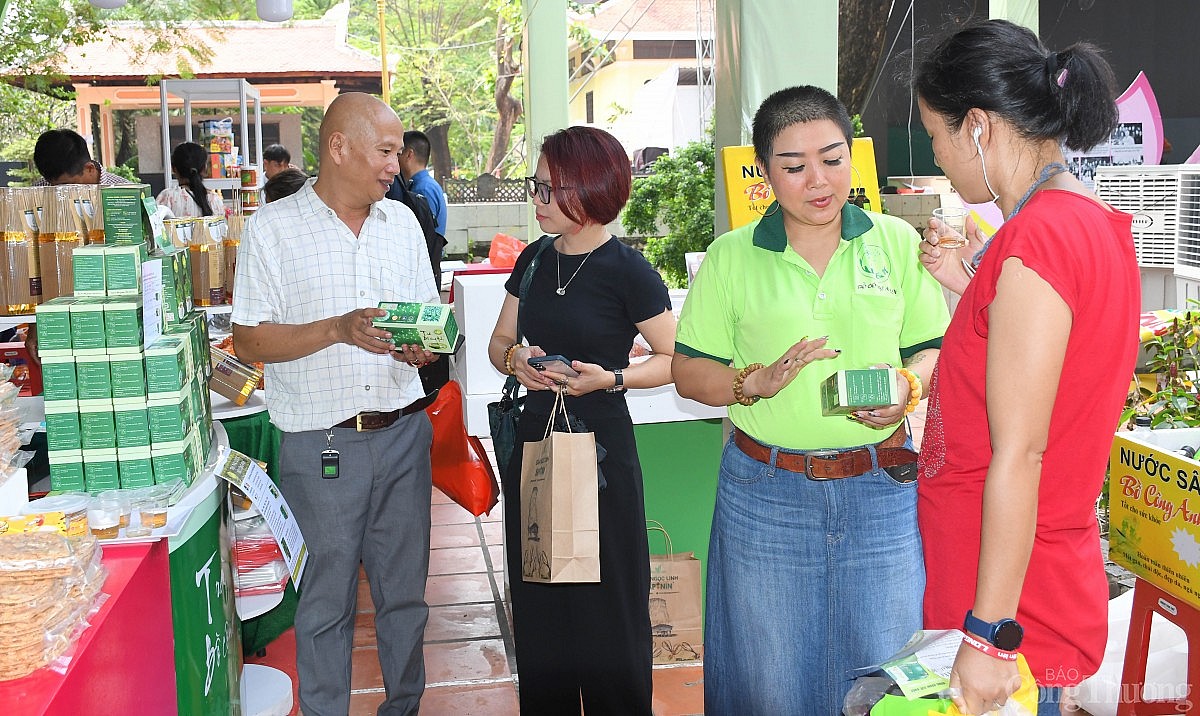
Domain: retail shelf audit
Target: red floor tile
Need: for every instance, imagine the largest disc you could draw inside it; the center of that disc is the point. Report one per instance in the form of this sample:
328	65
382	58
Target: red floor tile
450	514
456	560
472	700
364	669
465	660
364	629
678	691
464	535
462	621
458	589
368	704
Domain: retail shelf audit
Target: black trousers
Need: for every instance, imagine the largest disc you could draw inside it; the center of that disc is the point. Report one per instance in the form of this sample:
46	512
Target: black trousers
586	643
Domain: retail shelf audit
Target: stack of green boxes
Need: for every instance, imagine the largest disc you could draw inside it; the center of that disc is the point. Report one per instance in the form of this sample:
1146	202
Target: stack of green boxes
118	415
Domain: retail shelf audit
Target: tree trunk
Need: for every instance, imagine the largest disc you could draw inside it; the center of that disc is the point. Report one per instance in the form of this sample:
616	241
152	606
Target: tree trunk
439	151
862	28
509	109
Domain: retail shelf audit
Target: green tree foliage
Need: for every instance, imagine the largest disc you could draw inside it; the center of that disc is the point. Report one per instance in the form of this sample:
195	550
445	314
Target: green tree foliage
678	195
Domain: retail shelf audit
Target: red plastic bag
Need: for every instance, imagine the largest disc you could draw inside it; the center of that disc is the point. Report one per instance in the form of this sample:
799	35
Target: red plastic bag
460	466
504	250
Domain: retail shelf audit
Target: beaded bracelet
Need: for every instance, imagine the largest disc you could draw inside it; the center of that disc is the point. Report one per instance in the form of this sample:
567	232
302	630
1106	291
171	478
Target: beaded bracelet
915	389
992	651
508	356
740	380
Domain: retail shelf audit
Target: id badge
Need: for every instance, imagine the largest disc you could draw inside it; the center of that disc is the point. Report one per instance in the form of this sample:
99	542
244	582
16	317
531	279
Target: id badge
329	464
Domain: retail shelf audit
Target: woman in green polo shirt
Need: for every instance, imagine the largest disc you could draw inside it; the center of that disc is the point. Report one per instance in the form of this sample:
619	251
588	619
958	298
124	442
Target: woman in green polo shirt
815	559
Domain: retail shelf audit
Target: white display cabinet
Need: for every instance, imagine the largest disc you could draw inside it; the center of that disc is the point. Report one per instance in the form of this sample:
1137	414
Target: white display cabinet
477	301
216	92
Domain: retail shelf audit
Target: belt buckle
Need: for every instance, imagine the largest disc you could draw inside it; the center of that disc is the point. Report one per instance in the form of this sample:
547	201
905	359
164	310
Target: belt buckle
822	454
358	420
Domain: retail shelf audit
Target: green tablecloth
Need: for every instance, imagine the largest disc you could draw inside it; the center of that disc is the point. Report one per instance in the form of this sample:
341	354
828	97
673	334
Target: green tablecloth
255	436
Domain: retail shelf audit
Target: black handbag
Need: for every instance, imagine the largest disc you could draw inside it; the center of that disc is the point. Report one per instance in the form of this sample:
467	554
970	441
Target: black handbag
504	414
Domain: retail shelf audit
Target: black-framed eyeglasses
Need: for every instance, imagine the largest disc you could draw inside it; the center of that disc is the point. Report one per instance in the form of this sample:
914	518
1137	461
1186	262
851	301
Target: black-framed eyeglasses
540	189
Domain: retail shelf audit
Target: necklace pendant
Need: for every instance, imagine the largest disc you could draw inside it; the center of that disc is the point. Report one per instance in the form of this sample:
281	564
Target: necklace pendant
561	291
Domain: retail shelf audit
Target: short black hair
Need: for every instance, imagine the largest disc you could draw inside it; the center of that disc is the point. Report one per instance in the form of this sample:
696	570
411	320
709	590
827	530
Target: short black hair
60	152
796	105
277	153
419	143
284	183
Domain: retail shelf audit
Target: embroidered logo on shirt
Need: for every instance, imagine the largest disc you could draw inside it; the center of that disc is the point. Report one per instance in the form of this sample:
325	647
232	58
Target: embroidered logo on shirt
874	269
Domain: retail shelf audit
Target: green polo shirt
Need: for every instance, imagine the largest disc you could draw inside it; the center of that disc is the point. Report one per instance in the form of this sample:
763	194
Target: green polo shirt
755	297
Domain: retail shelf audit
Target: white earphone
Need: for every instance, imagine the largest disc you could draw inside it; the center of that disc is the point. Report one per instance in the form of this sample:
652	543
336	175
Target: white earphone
975	137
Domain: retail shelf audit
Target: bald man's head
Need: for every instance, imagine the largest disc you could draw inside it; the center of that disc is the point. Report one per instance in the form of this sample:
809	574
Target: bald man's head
360	140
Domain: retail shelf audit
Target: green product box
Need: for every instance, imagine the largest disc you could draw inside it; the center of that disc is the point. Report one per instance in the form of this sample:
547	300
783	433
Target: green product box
126	217
87	266
95	379
123	270
170	418
58	378
171	462
132	423
123	323
176	303
54	325
87	326
134	467
128	375
100	470
97	429
198	403
165	369
66	470
195	327
429	325
62	426
199	446
848	391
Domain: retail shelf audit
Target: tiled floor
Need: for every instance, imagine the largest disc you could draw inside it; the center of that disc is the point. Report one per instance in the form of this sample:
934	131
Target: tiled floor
469	666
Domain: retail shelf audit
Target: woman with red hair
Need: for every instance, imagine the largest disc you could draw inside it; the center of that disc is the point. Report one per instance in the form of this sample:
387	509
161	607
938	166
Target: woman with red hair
588	297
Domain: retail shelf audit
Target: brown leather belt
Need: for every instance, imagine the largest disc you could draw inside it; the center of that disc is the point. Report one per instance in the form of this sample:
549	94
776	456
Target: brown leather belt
830	464
375	420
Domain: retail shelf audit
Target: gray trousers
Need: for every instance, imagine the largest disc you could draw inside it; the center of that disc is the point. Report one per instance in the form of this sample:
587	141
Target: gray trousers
376	512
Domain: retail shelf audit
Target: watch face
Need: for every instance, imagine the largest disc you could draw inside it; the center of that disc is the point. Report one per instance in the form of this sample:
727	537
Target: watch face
1008	635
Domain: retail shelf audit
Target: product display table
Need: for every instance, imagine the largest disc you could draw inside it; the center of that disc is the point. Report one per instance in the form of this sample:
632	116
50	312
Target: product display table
116	661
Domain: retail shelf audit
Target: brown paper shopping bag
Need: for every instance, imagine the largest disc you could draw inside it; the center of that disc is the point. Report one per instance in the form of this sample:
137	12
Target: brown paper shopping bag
676	605
560	541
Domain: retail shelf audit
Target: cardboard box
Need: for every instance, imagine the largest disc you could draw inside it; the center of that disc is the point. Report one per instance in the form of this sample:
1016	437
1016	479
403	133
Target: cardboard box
62	427
66	470
232	378
134	467
170	462
848	391
132	424
127	212
169	417
429	325
96	426
165	368
87	267
128	373
54	326
58	378
94	376
87	326
123	327
100	470
123	270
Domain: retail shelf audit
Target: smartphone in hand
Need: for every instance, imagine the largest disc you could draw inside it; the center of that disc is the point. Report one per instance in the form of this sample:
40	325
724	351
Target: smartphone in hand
556	363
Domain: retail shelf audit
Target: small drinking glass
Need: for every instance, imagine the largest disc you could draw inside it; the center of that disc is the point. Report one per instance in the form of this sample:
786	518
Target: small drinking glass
104	519
953	231
118	500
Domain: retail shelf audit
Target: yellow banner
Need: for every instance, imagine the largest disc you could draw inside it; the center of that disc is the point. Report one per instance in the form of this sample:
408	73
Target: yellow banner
747	195
1154	512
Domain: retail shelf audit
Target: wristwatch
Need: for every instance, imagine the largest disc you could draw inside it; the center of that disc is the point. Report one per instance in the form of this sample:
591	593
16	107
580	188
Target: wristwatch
619	386
1004	634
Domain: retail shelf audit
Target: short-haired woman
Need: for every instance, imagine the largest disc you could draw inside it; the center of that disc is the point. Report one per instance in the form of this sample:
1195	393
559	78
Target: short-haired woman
587	300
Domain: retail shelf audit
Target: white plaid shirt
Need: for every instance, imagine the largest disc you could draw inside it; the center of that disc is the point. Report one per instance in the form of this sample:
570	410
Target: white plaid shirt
299	263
